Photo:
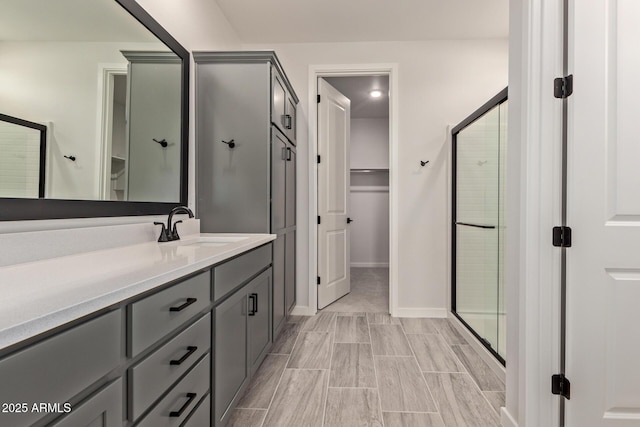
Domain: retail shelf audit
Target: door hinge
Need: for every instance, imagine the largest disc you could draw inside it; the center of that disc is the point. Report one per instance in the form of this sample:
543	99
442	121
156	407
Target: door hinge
318	99
563	86
562	237
560	385
318	219
318	280
318	158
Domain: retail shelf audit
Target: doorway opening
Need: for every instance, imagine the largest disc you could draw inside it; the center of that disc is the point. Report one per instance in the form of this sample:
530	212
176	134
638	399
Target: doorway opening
365	254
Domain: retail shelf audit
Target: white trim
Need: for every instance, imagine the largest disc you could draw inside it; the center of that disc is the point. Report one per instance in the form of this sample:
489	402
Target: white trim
303	311
335	70
506	419
482	351
369	264
106	72
432	312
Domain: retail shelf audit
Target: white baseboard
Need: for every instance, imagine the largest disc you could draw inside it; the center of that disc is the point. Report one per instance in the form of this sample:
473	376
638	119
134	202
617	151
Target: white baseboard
303	311
369	264
506	419
422	312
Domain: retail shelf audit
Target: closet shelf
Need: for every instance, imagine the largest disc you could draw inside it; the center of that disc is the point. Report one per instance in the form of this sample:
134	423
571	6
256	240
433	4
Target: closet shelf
371	170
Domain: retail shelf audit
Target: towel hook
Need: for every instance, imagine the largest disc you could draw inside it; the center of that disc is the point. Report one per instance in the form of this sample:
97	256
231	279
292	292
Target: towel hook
72	158
423	163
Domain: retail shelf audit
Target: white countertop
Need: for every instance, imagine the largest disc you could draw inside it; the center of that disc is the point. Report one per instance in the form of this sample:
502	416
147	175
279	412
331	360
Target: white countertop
39	296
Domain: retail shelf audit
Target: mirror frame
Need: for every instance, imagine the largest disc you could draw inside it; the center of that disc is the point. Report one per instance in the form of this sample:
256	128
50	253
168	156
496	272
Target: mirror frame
15	209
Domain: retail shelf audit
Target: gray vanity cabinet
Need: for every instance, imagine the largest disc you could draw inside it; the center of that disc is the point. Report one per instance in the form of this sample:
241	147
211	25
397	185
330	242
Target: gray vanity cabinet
104	409
231	367
250	187
259	315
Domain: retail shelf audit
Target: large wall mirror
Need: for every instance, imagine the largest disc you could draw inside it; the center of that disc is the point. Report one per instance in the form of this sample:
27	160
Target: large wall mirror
109	86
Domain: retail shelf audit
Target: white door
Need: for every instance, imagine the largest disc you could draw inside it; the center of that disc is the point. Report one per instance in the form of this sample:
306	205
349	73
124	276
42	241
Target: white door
334	113
603	270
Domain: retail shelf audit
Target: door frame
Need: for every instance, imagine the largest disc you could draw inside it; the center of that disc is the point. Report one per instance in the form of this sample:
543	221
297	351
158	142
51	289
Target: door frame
344	70
106	74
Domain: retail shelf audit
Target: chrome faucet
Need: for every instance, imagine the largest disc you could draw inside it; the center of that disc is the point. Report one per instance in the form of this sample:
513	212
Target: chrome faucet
169	233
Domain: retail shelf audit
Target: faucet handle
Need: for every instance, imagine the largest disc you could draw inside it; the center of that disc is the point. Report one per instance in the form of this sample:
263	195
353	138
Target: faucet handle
163	233
174	232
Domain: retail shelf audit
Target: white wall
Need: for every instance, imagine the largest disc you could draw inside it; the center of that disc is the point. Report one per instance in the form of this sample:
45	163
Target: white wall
369	143
369	195
440	83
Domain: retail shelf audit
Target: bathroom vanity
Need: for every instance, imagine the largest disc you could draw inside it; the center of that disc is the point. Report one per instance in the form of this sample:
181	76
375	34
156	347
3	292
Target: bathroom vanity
152	334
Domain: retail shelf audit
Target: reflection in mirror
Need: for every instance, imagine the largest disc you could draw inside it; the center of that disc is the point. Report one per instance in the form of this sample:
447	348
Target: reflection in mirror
23	149
107	86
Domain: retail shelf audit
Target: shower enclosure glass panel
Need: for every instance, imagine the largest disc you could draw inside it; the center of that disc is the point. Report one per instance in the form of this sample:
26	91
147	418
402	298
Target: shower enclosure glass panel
479	147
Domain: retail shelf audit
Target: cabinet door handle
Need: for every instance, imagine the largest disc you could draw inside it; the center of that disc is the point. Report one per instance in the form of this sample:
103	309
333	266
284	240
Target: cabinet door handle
288	154
288	121
185	305
191	349
178	413
253	298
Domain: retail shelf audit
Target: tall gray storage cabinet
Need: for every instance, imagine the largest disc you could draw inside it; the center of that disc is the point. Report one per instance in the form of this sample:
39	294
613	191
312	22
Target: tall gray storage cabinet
246	157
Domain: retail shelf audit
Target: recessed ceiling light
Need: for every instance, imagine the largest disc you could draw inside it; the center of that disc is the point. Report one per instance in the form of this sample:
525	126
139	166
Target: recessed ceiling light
375	94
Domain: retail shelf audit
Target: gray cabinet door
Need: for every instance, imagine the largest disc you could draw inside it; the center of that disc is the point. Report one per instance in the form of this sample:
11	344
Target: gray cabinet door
290	203
279	165
230	358
102	410
290	271
259	295
278	100
233	103
279	312
290	119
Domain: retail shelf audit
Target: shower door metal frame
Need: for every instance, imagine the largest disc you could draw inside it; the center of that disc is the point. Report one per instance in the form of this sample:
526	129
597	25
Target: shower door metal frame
498	99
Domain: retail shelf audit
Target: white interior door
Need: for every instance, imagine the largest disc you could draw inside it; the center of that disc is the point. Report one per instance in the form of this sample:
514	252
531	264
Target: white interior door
334	112
603	270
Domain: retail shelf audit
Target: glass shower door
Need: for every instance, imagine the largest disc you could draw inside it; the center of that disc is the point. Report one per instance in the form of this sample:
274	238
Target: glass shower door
478	228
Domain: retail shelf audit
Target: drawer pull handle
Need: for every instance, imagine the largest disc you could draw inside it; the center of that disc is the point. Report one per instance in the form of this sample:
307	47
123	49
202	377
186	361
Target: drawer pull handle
178	413
191	349
185	305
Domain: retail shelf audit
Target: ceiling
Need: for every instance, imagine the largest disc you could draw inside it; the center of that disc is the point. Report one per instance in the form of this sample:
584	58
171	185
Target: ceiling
309	21
70	21
358	89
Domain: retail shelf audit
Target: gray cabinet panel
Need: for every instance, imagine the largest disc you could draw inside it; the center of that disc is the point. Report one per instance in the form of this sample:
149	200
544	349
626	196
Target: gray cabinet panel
290	271
233	273
279	101
290	198
230	359
201	417
279	154
155	374
182	398
259	291
279	312
290	116
233	103
60	367
104	409
152	317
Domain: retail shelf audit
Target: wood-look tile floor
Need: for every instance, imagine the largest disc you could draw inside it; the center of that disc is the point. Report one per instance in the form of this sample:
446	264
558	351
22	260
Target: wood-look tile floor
368	369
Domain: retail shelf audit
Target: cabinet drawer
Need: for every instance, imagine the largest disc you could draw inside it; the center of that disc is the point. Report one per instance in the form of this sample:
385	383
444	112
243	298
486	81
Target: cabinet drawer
157	315
59	367
231	274
104	409
201	417
180	401
155	374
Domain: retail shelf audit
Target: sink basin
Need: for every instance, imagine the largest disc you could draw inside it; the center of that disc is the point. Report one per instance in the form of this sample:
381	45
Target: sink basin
216	240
